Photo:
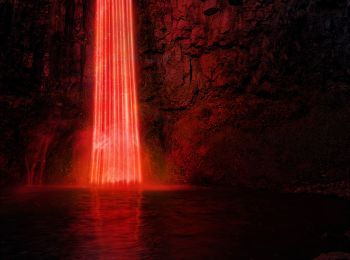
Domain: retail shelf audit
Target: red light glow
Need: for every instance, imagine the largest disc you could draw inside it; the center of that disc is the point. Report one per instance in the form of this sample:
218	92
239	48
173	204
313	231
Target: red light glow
116	146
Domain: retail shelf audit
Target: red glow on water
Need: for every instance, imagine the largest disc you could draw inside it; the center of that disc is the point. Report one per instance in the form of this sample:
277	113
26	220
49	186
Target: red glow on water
116	145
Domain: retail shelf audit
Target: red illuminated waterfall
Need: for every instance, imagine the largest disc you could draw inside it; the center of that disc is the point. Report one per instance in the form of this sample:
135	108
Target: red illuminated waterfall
116	144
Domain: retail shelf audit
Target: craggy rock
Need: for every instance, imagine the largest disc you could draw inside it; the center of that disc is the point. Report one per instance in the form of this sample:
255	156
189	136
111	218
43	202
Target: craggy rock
42	61
239	92
250	93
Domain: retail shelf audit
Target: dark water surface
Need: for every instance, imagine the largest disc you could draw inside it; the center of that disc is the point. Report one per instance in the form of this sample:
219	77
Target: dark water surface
83	223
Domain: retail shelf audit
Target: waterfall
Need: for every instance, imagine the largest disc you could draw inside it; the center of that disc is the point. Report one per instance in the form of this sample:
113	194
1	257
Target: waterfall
115	156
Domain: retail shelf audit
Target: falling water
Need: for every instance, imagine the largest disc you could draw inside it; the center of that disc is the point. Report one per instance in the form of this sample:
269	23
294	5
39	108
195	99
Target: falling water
116	145
35	160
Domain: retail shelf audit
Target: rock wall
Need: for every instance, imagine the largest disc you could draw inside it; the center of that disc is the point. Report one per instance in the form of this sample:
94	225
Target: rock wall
239	92
42	61
246	92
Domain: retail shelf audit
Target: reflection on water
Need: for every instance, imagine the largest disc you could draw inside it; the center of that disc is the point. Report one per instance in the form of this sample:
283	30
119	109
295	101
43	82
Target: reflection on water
113	223
82	223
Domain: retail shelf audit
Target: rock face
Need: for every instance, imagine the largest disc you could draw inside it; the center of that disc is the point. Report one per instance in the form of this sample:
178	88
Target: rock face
253	93
42	65
240	92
